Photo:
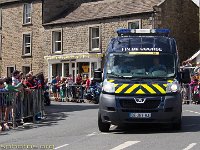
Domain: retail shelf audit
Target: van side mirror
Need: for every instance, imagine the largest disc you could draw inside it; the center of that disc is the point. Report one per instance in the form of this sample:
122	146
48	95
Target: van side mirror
185	76
98	75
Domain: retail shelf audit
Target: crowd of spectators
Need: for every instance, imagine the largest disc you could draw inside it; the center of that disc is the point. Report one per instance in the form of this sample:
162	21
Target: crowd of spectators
18	83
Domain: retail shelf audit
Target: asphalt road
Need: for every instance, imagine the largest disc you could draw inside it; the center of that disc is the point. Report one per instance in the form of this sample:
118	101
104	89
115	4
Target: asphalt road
73	126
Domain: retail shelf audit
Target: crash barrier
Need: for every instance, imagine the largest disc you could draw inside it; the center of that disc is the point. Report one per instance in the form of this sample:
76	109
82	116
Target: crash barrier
186	94
76	93
191	94
19	107
73	93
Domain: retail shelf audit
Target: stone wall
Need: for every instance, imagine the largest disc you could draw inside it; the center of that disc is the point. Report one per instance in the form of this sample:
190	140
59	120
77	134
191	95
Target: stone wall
181	17
12	37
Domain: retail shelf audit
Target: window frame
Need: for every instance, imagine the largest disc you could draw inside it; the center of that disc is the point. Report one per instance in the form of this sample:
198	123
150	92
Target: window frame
135	20
25	13
53	41
23	70
24	44
10	72
91	39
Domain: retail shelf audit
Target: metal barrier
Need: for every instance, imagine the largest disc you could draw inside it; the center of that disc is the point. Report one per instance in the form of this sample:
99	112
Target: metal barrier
16	107
73	93
186	94
191	94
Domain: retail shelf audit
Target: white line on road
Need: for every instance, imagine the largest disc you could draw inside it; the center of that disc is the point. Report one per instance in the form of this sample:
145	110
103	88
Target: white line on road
92	134
193	111
190	146
61	146
124	145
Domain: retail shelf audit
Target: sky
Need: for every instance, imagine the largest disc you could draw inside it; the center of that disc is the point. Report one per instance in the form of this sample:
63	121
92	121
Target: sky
196	2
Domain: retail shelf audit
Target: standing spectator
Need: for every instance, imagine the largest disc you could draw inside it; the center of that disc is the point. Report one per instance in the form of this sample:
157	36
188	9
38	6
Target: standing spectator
56	88
70	87
30	82
2	102
78	79
87	83
9	99
15	77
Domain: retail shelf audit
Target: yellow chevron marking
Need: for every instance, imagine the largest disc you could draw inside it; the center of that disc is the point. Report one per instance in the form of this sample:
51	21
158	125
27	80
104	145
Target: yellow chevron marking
148	88
121	88
115	85
159	88
170	81
111	81
132	88
140	92
165	85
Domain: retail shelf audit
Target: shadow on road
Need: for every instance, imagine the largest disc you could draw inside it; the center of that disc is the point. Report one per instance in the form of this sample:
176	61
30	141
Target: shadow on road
189	124
53	114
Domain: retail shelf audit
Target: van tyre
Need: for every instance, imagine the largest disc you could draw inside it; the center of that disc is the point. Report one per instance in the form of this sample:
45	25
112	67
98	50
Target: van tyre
177	125
103	126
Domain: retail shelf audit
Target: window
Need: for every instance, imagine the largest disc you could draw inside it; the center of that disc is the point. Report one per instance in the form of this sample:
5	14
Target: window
134	24
57	41
27	13
26	69
94	39
27	44
10	71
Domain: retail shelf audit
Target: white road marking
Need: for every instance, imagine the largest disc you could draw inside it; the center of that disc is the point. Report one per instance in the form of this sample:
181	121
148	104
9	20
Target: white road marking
124	145
61	146
92	134
190	146
193	111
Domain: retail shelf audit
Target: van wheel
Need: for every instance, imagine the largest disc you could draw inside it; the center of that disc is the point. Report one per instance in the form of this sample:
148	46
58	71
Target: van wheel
177	125
103	126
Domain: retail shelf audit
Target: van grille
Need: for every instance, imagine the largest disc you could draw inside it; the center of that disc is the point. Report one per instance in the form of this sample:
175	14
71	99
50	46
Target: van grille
148	104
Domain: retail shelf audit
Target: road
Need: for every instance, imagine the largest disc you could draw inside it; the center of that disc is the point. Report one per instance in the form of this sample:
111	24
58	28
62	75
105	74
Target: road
73	126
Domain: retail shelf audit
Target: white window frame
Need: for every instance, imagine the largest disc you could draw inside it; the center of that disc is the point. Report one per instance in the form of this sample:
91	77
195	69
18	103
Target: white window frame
54	41
94	38
26	45
27	14
136	20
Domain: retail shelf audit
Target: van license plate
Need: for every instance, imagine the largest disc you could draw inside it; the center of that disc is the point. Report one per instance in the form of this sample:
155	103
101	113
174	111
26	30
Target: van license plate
140	115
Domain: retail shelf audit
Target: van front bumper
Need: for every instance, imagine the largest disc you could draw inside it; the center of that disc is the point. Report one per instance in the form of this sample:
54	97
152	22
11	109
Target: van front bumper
117	109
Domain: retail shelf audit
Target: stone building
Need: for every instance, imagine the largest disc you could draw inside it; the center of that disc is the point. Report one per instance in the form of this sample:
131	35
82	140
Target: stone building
71	36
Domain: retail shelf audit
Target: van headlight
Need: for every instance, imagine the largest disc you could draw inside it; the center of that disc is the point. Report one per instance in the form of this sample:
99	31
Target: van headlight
108	87
173	87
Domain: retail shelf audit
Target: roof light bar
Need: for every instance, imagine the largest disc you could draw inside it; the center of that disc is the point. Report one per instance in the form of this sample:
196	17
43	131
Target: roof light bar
124	31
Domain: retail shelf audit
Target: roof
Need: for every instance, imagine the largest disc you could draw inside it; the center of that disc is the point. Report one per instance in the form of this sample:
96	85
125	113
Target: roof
107	9
8	1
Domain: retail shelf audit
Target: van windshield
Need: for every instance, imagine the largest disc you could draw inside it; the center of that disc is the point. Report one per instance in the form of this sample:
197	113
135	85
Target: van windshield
121	65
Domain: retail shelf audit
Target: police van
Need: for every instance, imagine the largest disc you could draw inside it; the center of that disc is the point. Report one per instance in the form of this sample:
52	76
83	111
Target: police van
141	80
